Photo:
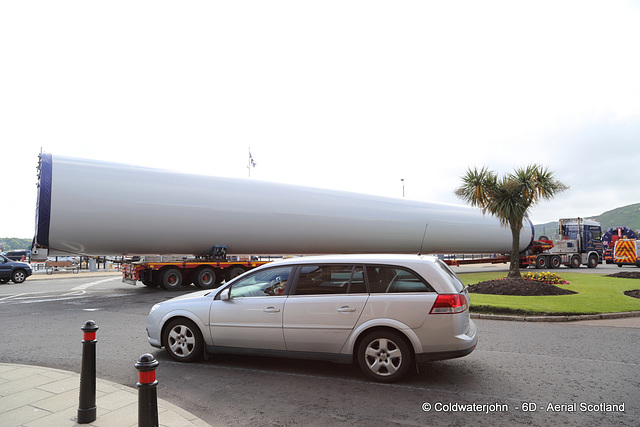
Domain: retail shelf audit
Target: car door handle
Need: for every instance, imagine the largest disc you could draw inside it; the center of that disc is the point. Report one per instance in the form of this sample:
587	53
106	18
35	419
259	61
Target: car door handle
346	309
271	310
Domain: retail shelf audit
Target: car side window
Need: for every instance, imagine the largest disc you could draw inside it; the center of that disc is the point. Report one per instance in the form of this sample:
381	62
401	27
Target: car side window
267	282
330	279
385	279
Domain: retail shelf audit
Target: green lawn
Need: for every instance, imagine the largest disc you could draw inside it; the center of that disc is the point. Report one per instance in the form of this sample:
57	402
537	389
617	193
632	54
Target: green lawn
595	294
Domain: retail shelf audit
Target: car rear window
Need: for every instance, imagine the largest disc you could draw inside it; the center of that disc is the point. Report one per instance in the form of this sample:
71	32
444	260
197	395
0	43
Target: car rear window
387	279
330	279
455	281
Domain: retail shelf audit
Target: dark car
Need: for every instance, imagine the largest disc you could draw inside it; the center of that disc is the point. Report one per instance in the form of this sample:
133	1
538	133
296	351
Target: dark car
20	255
15	271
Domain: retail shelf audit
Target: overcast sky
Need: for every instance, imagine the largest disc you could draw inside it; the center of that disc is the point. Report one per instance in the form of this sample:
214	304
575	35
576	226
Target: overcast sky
353	95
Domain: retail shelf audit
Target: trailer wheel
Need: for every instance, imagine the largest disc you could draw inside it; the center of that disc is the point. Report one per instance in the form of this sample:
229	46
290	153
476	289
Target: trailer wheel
592	262
171	279
149	283
233	272
542	262
205	278
575	261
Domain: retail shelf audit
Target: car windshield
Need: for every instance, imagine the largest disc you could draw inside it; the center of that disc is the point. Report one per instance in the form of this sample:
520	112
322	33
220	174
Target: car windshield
457	283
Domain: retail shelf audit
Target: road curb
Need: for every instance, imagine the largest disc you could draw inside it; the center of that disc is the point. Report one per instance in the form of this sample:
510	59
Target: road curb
601	316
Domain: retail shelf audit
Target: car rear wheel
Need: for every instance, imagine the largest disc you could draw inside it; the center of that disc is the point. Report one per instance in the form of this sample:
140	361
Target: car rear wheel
384	356
183	341
18	276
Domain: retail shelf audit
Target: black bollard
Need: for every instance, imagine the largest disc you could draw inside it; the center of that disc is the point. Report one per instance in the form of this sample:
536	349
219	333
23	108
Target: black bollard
147	391
87	407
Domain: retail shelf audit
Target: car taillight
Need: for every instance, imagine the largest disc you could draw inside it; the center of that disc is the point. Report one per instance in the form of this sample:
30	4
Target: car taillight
449	303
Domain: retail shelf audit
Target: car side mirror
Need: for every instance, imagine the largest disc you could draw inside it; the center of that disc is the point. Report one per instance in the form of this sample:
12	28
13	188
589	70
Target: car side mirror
224	295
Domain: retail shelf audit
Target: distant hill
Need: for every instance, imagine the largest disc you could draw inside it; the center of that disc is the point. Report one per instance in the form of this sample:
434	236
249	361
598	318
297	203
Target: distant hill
13	243
627	215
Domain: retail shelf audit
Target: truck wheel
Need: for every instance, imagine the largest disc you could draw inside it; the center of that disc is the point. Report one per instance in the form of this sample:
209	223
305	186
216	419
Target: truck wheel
592	262
555	262
171	279
233	272
541	262
18	276
205	278
182	340
384	356
575	261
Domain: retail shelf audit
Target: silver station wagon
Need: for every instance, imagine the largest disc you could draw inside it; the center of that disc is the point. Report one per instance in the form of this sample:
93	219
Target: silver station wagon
385	312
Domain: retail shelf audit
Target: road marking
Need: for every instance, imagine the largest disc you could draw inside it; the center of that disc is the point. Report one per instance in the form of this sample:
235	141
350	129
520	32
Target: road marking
88	285
14	296
35	297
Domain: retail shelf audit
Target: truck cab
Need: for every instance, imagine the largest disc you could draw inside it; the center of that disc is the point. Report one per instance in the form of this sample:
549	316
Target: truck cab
580	243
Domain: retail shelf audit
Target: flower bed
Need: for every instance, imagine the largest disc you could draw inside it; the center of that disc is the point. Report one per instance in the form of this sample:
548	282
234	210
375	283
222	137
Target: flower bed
545	277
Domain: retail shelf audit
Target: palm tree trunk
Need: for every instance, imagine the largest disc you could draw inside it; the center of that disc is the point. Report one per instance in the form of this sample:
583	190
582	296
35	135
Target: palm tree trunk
514	266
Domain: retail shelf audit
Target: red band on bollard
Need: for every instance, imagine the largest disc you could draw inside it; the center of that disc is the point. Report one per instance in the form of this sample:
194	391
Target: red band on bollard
89	336
146	377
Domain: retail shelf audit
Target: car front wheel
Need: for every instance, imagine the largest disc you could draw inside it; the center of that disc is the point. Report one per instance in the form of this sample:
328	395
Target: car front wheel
18	276
384	356
183	341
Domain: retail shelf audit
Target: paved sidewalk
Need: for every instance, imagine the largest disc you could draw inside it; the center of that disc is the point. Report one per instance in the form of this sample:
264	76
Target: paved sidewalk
33	396
41	274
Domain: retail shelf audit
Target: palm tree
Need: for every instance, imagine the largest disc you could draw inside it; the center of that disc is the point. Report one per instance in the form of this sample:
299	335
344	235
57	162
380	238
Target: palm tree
509	198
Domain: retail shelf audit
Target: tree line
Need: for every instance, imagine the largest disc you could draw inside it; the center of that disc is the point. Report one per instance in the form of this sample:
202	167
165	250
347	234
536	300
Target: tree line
14	243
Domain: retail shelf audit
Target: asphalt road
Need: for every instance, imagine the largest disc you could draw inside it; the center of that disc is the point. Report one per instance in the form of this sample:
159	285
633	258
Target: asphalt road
573	374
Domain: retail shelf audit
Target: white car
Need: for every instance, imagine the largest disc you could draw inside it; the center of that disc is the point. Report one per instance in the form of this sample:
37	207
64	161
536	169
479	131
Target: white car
384	311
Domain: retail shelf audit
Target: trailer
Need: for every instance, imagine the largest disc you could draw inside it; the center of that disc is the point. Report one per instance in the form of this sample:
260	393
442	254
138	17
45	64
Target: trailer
171	275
